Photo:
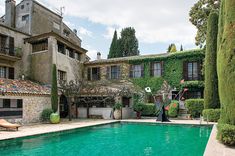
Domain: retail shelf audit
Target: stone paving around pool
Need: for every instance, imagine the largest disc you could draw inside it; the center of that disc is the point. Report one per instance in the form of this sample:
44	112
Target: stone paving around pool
213	148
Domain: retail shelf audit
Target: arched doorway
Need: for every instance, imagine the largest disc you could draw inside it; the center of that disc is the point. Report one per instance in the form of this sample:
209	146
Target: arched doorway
64	108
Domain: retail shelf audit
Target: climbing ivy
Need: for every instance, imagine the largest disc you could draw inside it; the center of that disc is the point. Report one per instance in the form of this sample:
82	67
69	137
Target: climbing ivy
172	69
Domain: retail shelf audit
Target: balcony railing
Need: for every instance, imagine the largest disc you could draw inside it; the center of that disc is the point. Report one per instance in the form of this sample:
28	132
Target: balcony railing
6	50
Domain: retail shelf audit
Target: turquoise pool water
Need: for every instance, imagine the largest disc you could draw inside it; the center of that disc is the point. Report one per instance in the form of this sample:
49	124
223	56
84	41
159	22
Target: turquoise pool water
119	139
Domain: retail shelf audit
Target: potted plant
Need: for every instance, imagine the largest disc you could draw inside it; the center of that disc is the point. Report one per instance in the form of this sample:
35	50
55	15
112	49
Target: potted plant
138	108
117	110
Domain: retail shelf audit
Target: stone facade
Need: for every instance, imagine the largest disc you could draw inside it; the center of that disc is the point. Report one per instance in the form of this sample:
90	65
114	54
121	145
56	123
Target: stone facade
32	107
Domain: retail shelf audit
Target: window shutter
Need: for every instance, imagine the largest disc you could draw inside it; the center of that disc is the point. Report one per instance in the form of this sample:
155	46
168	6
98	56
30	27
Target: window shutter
151	69
11	46
199	68
162	68
98	73
131	71
118	72
185	70
11	73
142	70
108	72
89	74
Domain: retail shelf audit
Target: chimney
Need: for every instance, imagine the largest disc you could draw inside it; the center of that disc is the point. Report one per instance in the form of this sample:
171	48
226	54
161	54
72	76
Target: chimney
10	13
98	55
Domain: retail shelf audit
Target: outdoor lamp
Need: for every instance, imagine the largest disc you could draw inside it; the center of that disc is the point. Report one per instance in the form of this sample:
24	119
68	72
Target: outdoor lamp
148	89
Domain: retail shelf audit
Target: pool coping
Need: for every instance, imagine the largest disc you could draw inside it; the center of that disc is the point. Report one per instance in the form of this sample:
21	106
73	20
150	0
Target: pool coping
216	148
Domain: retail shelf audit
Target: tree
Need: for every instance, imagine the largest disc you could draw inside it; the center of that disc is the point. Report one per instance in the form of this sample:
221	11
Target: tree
173	48
128	42
211	96
226	61
198	17
54	89
113	50
181	48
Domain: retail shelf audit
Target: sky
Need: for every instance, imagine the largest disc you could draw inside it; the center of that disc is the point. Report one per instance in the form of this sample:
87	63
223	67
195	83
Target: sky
158	23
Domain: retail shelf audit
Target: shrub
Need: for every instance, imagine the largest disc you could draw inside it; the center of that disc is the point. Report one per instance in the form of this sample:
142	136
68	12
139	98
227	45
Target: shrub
45	115
117	106
149	109
54	89
211	96
138	107
226	134
195	106
173	109
212	115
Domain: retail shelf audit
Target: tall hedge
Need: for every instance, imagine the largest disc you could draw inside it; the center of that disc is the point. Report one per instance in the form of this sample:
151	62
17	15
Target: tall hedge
226	61
211	96
54	89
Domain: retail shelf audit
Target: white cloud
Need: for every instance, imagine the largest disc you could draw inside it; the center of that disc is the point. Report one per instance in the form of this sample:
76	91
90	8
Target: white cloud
154	20
84	31
92	53
110	31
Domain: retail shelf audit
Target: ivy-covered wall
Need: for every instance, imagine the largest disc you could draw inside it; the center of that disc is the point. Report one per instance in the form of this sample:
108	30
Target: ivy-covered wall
172	70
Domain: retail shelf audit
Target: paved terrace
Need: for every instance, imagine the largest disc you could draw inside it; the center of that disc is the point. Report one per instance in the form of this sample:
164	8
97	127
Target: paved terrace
213	148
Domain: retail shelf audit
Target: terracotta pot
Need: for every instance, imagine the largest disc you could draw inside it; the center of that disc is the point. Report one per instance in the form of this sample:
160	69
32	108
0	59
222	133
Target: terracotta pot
117	114
138	115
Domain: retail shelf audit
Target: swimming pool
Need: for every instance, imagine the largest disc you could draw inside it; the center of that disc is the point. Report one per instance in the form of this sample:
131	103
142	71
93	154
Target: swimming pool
118	139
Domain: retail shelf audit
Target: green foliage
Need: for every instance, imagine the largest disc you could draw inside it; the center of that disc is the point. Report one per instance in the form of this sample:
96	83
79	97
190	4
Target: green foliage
129	42
173	48
173	109
192	84
45	115
181	48
172	69
113	50
54	89
199	15
195	106
138	107
149	109
226	61
117	106
211	95
211	115
226	134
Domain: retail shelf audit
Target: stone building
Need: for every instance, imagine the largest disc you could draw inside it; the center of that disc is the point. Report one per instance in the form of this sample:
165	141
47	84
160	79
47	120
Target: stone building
33	38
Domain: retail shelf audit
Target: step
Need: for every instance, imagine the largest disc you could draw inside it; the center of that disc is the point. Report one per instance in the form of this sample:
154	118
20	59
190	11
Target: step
184	116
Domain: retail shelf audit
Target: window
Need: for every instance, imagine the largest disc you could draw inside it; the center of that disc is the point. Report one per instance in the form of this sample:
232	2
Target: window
22	6
25	18
3	46
61	75
40	46
71	52
113	72
156	69
192	70
77	56
7	72
61	48
3	72
93	73
11	107
194	94
136	71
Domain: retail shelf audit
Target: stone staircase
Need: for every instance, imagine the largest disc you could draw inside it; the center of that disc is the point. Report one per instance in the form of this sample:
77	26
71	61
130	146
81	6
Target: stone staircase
183	114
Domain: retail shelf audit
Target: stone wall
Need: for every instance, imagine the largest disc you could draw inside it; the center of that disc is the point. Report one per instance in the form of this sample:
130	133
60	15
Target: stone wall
32	107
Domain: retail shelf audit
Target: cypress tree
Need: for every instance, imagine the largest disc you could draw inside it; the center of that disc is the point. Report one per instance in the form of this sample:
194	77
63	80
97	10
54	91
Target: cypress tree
113	50
181	48
226	61
128	42
169	48
211	97
54	89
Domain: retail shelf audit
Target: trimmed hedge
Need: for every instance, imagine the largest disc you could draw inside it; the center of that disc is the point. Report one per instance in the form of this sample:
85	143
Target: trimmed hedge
212	115
45	115
173	109
226	134
149	109
195	106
